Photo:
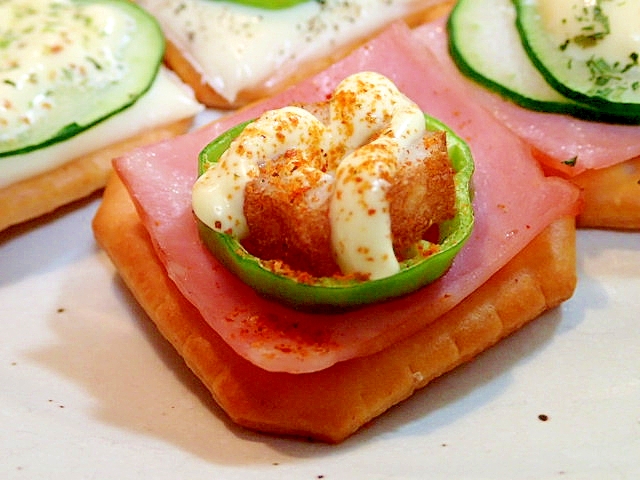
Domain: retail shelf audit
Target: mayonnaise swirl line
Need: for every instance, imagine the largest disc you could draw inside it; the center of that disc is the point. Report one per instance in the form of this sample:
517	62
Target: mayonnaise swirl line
373	127
594	29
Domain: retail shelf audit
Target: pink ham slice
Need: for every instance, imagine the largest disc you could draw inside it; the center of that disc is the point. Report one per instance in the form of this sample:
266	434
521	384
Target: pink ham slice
558	139
513	203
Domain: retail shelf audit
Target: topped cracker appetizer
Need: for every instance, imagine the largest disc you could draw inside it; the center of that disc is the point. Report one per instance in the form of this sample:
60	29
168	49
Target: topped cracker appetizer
324	373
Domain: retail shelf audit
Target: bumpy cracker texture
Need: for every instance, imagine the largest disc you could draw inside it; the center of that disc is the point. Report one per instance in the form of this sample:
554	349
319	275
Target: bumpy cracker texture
332	404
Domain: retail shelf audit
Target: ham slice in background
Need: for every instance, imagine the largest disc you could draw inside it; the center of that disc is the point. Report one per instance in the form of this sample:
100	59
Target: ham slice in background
513	202
563	143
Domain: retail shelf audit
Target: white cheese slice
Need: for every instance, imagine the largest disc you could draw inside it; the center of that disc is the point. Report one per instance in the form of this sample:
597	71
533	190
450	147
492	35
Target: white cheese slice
236	47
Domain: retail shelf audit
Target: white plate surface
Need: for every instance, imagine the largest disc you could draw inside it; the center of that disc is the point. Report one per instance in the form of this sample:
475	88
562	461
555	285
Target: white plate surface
89	389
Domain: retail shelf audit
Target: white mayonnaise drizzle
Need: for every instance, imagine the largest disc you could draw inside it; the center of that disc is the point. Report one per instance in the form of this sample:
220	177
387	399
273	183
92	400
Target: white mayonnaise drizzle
363	105
47	45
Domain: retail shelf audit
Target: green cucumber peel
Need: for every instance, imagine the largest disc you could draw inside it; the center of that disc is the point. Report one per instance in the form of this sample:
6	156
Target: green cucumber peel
485	45
327	293
76	111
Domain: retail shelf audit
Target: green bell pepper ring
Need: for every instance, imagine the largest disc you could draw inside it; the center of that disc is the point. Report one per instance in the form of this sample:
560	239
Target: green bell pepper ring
344	293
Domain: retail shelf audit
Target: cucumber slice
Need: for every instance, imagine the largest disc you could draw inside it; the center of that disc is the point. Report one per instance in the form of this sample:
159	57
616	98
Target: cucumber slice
66	65
588	51
485	45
